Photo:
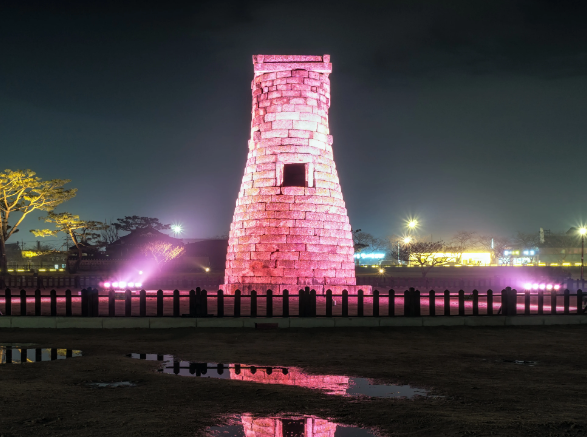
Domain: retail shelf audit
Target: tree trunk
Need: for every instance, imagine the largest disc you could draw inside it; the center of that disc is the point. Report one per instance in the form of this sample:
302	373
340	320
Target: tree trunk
3	262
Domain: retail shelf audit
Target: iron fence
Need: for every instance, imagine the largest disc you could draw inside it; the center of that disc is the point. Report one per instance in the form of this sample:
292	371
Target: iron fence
304	303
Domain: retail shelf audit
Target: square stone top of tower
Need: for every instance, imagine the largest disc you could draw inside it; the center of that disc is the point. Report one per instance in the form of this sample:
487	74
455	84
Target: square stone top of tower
270	63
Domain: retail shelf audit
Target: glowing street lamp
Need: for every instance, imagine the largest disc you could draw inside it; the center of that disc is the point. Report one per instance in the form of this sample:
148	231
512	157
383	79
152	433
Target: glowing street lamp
407	240
582	232
412	224
177	229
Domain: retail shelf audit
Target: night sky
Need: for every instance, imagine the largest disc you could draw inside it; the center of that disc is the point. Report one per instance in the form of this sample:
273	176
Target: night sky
471	115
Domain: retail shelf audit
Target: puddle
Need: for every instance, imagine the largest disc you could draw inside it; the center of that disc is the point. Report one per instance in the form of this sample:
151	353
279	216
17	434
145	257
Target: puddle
248	425
522	362
332	384
111	384
16	355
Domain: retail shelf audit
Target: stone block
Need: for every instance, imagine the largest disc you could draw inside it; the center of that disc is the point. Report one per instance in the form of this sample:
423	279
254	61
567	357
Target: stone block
125	322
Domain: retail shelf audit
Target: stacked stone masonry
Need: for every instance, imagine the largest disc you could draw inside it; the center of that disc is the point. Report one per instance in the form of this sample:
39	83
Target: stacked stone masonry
283	236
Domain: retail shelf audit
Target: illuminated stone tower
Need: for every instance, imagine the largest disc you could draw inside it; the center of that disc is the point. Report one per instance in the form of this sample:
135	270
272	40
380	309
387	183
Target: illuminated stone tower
290	227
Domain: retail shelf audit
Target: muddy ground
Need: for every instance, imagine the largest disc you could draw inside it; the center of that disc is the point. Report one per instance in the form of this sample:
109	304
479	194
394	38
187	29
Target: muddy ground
484	395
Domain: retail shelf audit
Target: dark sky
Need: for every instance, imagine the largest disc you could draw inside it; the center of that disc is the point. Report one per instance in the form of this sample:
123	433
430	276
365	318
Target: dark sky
469	114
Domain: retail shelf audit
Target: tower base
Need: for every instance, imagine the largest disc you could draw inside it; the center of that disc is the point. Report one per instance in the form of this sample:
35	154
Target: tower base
294	288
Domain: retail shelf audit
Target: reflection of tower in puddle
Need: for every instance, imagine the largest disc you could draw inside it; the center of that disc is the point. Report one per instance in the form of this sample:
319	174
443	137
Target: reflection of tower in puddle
333	384
293	426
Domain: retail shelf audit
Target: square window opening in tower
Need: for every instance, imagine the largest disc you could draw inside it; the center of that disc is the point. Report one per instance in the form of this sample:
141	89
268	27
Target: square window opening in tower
294	175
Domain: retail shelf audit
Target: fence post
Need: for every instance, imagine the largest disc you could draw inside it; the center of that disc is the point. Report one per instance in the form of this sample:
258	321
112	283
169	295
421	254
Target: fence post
432	303
376	303
192	303
301	304
527	303
111	303
204	303
127	303
489	302
269	309
53	303
67	302
94	300
475	302
220	303
360	303
566	301
312	303
159	303
345	303
84	303
579	301
38	302
416	307
461	302
23	302
143	303
8	302
175	303
540	302
254	303
237	303
285	303
391	303
328	303
505	301
446	303
553	302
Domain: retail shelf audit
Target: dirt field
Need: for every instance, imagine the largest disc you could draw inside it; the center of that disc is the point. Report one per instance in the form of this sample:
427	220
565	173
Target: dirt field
484	395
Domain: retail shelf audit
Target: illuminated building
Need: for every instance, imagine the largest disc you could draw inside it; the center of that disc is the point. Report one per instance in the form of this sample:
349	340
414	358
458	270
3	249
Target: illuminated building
290	227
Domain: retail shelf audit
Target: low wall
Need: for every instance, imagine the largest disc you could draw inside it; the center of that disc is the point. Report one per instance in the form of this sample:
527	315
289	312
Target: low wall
8	322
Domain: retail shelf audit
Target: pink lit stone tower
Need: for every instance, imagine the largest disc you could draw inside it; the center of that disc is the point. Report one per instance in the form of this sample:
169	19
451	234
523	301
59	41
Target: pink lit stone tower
290	227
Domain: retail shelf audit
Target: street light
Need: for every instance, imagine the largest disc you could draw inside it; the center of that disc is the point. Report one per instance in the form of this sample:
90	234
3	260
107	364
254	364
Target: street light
582	232
177	229
412	224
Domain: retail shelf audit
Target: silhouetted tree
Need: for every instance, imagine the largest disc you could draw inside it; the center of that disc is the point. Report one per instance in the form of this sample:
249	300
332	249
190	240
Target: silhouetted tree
130	223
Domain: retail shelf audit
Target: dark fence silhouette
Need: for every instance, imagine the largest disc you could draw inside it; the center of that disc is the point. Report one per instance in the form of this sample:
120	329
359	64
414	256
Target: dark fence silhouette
212	281
303	303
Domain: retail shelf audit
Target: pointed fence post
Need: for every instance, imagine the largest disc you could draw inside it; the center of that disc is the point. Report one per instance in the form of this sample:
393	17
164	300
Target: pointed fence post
23	302
8	302
53	303
67	302
540	302
192	303
111	303
269	309
553	302
312	302
446	303
475	302
432	303
566	302
301	303
527	303
579	301
175	303
159	303
84	303
127	303
38	302
360	303
461	302
254	303
220	303
285	303
328	303
143	303
391	303
204	303
345	303
237	303
376	303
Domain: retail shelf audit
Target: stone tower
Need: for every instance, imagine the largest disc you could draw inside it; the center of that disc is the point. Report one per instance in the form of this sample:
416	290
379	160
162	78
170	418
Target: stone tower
290	227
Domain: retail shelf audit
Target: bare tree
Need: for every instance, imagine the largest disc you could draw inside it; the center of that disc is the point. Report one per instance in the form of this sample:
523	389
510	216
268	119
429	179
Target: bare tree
496	246
109	234
426	254
526	240
463	241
